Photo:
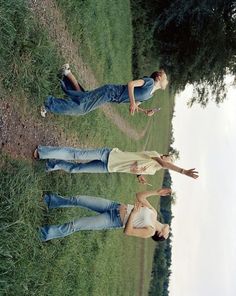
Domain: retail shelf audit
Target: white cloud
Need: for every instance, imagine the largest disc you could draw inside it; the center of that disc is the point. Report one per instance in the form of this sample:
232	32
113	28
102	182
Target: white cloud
204	243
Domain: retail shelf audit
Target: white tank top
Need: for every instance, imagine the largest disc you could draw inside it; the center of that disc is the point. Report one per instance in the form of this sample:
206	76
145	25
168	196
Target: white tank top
143	219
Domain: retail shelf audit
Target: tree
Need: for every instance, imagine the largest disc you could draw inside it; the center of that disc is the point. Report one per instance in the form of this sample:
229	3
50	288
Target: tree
197	44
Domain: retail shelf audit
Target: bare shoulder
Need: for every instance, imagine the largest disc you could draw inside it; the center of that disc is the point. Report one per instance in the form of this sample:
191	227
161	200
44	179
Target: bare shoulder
136	83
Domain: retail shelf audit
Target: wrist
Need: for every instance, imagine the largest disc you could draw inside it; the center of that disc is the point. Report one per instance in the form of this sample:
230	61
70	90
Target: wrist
182	171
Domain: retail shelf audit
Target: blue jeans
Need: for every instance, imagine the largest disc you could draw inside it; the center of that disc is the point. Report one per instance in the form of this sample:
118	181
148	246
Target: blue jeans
80	103
98	159
108	217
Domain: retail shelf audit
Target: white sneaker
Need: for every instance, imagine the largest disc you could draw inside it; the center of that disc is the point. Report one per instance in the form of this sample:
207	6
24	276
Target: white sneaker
43	111
65	69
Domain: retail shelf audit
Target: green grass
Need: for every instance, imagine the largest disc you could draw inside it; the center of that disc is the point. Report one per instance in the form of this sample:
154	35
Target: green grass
79	263
103	31
86	263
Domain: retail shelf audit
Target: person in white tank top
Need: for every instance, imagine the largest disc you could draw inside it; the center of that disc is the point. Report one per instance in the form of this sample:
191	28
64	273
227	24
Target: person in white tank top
138	220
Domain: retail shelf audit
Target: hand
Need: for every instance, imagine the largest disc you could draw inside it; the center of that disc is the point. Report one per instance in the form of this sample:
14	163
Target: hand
137	207
164	191
134	167
142	180
136	170
132	108
165	231
149	112
191	173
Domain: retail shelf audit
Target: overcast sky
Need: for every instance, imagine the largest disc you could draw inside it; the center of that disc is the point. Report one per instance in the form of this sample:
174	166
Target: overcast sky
204	226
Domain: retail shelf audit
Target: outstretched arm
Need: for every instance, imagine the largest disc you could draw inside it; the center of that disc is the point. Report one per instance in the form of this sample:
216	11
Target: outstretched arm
170	166
148	112
142	196
131	85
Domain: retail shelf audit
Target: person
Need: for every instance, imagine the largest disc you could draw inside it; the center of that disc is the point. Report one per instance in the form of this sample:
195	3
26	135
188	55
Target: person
138	220
106	160
80	102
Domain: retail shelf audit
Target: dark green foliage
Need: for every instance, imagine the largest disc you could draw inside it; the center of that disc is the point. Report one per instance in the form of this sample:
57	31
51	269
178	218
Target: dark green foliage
162	257
143	58
196	42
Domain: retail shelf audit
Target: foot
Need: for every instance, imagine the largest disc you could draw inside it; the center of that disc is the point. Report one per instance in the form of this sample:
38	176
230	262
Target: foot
65	69
43	111
36	154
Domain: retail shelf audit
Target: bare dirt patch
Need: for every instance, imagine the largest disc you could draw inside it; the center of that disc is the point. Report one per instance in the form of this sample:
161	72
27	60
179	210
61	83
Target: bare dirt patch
20	134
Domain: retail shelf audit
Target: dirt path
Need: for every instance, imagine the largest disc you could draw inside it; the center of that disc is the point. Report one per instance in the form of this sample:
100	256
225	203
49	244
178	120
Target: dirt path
49	16
19	134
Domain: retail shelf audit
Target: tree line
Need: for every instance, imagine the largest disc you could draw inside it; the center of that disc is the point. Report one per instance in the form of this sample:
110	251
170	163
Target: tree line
161	267
195	41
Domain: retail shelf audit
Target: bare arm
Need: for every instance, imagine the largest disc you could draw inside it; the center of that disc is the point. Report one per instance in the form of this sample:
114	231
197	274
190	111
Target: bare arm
142	179
131	85
148	112
169	165
142	196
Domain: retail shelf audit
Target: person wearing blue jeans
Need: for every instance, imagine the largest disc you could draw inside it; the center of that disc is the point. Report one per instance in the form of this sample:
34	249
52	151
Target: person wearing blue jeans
106	160
80	102
139	220
58	159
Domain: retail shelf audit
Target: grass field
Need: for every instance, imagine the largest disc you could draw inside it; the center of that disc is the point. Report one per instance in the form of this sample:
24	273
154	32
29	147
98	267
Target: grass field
87	263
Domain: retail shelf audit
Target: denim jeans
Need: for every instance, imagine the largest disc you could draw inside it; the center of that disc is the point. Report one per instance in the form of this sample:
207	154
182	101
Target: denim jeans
80	103
98	159
107	218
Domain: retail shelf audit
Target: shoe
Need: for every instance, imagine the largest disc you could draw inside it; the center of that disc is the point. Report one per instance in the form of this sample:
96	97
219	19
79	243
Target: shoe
36	154
43	112
65	69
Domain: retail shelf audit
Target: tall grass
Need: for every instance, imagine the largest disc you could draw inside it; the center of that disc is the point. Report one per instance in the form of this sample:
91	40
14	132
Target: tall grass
28	58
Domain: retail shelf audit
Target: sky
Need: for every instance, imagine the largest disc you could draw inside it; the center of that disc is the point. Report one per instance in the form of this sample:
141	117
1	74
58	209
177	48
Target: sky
204	224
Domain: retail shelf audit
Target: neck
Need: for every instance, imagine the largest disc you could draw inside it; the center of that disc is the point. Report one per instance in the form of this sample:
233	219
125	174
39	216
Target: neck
156	85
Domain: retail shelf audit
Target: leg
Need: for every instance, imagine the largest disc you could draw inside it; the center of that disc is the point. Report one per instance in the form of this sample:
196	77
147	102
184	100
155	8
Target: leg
96	204
73	81
66	84
96	166
64	106
69	153
107	220
69	78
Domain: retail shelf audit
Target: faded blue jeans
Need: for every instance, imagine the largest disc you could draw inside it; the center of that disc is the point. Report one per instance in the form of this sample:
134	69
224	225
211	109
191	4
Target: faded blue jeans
98	159
108	217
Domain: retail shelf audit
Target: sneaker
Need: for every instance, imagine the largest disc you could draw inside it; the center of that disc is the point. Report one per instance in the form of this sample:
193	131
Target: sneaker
36	154
43	111
65	69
